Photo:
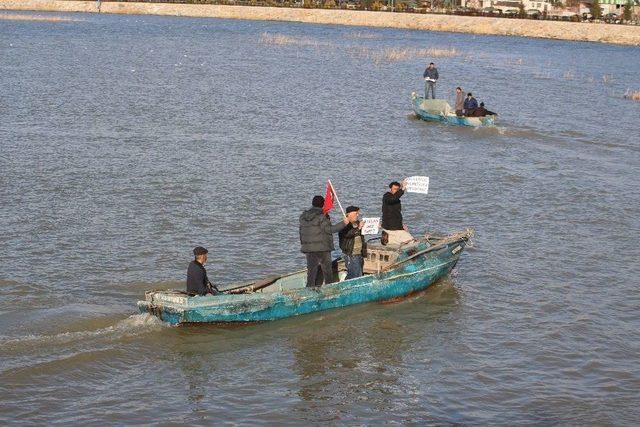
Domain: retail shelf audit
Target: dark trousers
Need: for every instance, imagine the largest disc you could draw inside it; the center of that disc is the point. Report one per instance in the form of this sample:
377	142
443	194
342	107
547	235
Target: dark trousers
319	268
354	265
429	87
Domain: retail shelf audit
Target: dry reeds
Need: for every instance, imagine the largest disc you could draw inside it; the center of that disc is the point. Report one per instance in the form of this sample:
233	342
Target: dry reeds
607	78
25	17
633	95
403	54
387	55
518	61
281	40
361	35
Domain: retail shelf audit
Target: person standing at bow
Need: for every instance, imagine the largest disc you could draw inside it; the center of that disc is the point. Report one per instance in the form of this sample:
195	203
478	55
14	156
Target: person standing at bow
430	78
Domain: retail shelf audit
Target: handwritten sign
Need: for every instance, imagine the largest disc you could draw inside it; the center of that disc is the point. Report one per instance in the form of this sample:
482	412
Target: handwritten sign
371	226
418	184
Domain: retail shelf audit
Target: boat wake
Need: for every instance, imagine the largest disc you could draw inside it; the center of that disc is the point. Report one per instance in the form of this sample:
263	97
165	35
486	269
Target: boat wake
133	325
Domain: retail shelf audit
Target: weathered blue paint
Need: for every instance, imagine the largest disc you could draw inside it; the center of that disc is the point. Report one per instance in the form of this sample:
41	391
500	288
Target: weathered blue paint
450	119
412	275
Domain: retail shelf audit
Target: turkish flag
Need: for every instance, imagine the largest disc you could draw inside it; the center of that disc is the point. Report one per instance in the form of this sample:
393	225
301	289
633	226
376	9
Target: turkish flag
328	200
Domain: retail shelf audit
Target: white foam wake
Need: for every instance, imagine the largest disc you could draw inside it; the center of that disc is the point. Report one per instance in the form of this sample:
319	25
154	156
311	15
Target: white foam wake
133	325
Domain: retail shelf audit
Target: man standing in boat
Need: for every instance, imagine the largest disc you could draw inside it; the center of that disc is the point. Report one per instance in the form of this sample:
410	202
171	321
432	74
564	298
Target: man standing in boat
352	243
396	232
430	78
316	240
459	102
197	280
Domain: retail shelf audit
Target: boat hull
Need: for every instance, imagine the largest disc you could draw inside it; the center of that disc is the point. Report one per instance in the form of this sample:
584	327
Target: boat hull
450	119
409	277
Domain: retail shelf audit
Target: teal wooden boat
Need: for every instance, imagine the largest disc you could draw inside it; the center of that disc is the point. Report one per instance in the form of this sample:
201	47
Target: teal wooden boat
389	274
439	110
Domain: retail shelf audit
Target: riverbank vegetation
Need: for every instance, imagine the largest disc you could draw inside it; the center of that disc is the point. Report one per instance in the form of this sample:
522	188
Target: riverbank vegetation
561	10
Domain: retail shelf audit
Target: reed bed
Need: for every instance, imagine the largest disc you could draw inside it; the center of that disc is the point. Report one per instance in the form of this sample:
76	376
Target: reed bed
633	95
387	55
284	40
43	18
361	35
402	54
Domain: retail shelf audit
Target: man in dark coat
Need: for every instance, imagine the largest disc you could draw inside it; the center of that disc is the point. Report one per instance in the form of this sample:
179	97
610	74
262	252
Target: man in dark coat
352	243
197	280
316	241
482	112
392	207
392	224
470	105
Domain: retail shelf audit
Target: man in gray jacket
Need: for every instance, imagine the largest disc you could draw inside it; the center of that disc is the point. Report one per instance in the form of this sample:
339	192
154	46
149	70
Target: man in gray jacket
459	102
430	78
316	240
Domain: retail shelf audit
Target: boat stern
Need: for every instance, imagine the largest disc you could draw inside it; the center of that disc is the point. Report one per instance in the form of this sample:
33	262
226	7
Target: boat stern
168	306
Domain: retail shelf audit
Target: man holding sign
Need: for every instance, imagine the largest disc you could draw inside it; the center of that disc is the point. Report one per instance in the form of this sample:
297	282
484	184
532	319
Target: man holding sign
352	243
392	215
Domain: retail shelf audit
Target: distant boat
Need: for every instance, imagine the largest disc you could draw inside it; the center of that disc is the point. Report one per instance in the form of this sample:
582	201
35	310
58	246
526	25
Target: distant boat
389	274
439	110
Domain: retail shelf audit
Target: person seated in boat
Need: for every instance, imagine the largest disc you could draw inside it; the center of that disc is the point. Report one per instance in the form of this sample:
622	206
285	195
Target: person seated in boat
316	242
459	101
197	281
352	243
470	105
482	112
395	233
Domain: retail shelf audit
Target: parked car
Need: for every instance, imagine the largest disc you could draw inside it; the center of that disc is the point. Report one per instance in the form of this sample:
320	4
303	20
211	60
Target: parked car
611	18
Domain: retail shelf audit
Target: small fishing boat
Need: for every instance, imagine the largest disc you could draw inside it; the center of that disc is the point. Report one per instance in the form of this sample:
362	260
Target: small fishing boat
390	273
439	110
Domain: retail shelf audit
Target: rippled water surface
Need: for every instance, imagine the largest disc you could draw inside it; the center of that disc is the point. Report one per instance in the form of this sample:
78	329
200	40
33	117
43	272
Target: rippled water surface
127	140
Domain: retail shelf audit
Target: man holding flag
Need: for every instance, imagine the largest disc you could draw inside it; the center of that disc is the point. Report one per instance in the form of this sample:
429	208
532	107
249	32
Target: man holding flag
316	237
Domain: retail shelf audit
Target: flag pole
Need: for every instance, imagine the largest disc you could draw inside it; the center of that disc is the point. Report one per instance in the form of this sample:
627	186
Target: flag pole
336	196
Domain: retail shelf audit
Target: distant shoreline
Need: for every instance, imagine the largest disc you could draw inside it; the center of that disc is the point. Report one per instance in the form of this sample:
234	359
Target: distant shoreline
602	33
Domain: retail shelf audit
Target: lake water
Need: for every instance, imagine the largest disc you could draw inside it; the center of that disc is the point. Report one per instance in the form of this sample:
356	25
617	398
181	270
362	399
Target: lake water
125	141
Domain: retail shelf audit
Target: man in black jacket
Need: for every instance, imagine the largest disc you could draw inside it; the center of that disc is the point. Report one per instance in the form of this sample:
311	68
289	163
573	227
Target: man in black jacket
316	241
197	280
352	243
392	215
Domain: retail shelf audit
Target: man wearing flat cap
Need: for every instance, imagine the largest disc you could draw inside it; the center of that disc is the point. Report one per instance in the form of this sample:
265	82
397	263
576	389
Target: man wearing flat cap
197	280
352	243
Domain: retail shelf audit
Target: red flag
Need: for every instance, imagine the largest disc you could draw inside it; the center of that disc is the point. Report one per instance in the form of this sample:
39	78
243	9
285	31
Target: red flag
328	200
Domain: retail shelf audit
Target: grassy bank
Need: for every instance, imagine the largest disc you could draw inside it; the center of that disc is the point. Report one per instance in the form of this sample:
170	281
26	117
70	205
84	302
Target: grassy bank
618	34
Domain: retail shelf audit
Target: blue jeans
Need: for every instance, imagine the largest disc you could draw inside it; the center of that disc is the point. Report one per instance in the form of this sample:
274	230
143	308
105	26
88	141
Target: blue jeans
354	265
429	87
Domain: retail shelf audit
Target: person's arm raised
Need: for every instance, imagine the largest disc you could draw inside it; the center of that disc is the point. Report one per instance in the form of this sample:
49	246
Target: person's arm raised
339	225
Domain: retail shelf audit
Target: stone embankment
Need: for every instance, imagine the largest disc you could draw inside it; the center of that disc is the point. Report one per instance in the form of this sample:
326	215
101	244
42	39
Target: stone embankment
604	33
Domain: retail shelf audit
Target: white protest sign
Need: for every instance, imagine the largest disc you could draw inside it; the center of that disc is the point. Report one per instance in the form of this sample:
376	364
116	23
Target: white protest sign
371	226
418	184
